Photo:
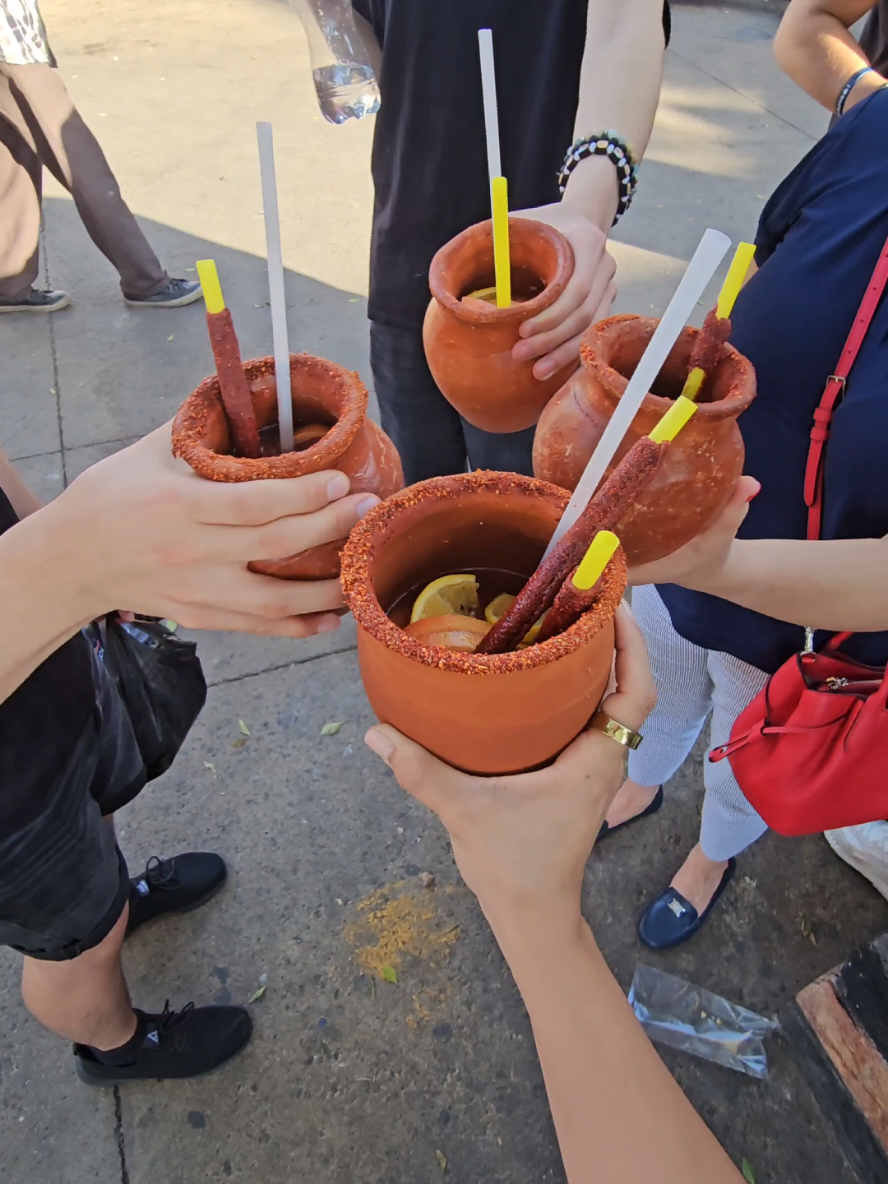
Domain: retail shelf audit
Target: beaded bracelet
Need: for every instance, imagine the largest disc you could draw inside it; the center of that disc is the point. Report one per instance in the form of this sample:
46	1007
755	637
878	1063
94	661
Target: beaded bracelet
848	87
617	151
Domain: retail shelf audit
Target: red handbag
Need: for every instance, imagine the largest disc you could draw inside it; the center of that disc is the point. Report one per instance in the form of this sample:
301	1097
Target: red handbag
810	752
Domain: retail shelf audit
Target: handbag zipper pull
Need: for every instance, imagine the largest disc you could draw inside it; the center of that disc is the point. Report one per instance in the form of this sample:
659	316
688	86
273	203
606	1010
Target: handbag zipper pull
834	683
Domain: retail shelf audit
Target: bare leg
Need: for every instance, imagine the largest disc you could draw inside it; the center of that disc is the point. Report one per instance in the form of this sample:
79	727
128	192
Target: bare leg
632	799
698	877
85	999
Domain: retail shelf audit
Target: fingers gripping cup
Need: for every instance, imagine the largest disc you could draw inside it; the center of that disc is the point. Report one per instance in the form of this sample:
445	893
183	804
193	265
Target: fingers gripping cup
468	340
497	713
332	432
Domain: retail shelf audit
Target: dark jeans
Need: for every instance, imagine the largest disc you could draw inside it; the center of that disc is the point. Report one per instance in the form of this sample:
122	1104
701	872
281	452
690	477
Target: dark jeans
431	437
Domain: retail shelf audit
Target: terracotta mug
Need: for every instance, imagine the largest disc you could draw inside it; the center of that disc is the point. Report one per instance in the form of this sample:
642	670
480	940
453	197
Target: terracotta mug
702	465
501	713
468	342
324	395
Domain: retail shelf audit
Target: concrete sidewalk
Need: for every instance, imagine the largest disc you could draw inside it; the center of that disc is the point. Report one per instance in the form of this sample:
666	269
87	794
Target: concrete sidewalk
350	1078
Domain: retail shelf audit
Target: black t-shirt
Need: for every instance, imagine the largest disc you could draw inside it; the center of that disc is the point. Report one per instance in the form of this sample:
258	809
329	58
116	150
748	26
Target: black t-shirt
429	150
42	719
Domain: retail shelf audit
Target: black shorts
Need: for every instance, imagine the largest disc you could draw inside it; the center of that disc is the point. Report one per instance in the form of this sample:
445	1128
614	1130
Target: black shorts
63	880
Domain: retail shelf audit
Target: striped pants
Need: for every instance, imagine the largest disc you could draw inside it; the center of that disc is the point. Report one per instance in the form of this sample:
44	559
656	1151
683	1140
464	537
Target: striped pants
691	682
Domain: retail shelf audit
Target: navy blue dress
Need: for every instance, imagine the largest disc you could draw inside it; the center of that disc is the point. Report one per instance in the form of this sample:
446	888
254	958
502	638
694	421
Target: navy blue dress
818	242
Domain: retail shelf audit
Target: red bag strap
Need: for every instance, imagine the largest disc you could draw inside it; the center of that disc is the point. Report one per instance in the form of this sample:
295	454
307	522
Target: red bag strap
835	389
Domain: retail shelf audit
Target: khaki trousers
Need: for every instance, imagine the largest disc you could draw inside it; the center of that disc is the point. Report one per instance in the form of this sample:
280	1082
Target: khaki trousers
39	126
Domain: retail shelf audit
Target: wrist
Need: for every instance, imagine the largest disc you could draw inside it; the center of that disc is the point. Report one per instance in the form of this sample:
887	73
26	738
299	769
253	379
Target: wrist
718	579
863	88
49	543
593	189
533	946
529	932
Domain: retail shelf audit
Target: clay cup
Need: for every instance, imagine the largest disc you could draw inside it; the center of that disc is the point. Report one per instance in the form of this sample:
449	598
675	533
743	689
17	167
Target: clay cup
468	343
323	394
495	714
702	465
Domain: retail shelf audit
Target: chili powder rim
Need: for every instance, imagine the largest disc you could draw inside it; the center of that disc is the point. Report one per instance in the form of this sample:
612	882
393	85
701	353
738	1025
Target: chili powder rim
614	383
205	401
370	616
491	315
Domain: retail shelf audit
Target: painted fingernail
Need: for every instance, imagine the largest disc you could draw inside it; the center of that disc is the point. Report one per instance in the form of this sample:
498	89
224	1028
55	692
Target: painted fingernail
755	492
337	486
328	624
379	743
365	505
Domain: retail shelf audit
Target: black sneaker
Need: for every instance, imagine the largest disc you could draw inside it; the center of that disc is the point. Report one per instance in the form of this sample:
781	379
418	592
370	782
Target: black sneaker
174	886
38	300
173	1044
174	295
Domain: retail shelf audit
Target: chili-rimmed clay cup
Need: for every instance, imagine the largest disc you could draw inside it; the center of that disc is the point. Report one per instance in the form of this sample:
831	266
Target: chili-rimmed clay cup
498	713
468	342
702	465
323	394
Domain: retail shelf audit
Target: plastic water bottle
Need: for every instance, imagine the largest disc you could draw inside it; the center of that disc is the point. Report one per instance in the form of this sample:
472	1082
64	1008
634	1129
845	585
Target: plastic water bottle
343	75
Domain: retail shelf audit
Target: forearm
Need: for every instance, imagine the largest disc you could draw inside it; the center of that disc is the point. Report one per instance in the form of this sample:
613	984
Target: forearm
838	584
815	48
601	1070
619	89
40	607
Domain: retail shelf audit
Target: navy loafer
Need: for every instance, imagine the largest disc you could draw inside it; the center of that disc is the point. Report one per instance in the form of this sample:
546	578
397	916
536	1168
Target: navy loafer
670	919
651	809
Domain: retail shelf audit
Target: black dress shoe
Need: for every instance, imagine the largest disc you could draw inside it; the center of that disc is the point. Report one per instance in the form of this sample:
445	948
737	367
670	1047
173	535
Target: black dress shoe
646	813
174	886
670	919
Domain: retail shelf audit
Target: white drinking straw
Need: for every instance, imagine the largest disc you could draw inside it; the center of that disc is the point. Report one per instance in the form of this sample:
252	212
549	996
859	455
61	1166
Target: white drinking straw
276	293
491	119
701	269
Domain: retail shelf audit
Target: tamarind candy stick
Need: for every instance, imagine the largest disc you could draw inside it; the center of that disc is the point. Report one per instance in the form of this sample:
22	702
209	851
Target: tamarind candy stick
604	512
233	385
717	326
580	590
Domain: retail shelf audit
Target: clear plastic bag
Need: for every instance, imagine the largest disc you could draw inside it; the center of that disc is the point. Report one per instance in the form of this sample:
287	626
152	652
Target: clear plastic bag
340	64
865	848
687	1017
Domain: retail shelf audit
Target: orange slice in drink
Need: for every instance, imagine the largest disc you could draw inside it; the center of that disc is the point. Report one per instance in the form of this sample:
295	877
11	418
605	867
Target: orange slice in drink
446	595
453	631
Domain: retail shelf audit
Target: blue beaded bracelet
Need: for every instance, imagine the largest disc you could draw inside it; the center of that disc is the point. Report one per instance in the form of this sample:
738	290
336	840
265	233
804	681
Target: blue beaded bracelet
620	155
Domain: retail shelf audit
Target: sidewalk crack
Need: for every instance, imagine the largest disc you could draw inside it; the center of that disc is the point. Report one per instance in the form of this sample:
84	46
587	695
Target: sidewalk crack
57	390
348	649
119	1137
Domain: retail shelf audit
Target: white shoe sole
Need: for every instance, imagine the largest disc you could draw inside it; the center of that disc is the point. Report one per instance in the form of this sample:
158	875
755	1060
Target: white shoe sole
59	304
189	299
